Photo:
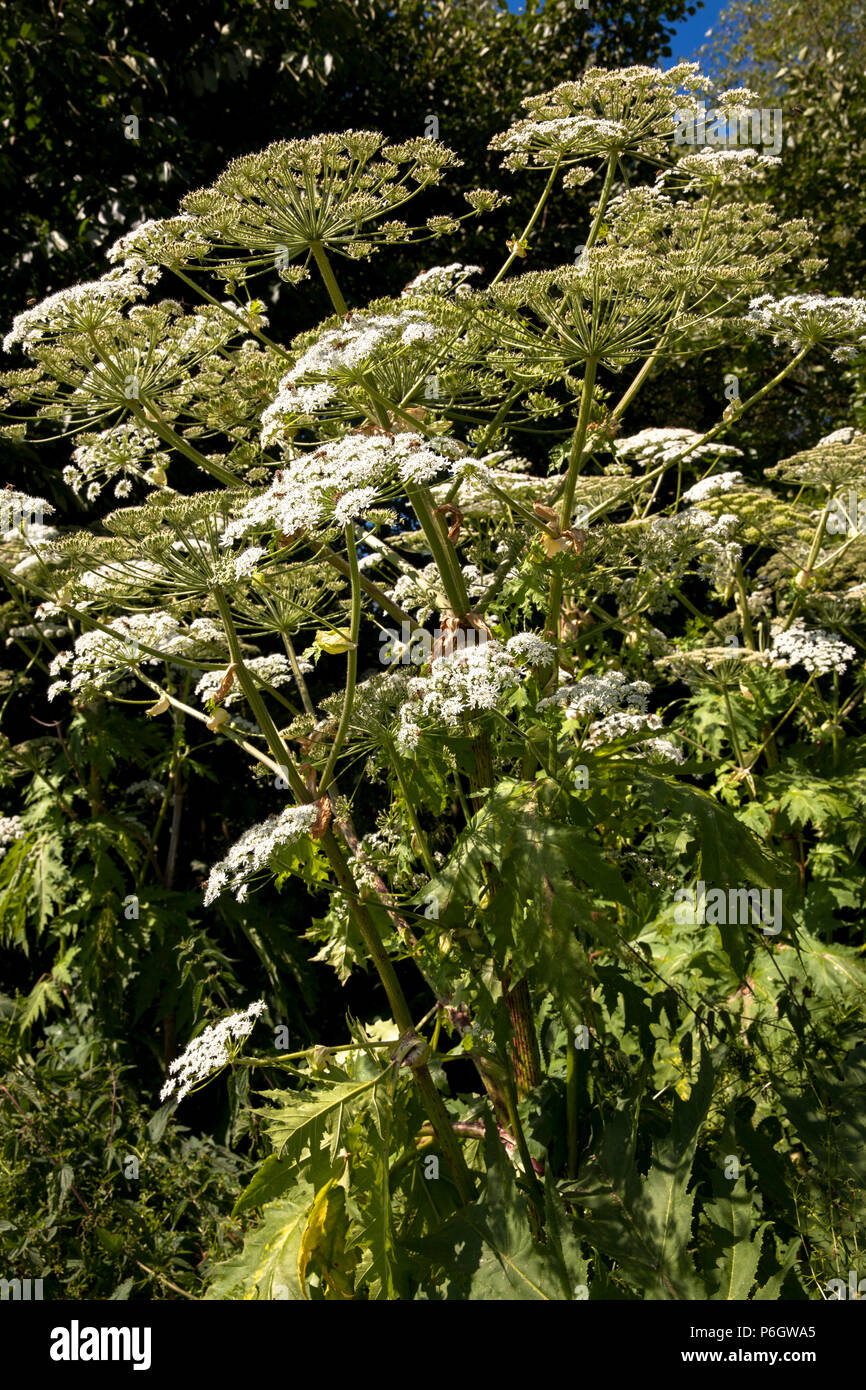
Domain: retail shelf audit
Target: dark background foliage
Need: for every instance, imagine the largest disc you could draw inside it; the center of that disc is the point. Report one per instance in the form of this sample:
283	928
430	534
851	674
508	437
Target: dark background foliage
206	82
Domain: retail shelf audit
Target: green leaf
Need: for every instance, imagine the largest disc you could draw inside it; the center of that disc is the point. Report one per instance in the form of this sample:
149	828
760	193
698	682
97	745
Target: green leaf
267	1267
271	1181
644	1223
732	1218
533	906
300	1118
487	1251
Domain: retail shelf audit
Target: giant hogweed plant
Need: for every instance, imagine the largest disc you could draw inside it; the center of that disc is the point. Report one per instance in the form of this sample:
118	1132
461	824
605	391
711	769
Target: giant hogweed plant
505	813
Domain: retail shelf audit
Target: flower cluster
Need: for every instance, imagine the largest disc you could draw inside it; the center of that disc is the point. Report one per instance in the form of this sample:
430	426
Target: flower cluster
20	513
273	670
615	726
804	320
11	829
710	168
817	650
340	480
442	279
328	191
172	241
602	114
665	444
697	532
312	383
709	487
98	658
469	680
421	592
210	1051
129	450
616	707
253	851
609	693
79	309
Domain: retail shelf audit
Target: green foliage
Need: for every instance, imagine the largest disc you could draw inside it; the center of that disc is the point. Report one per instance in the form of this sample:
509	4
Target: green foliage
592	863
95	1200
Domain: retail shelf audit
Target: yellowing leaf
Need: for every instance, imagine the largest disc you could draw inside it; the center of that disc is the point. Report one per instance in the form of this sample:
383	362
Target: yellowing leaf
160	707
335	642
323	1243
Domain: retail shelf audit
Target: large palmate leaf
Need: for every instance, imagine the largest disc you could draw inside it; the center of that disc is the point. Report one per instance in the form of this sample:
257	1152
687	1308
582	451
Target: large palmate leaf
487	1250
736	1239
299	1118
527	871
644	1222
721	850
267	1267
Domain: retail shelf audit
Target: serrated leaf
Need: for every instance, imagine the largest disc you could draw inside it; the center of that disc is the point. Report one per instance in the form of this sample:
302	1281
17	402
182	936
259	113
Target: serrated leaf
737	1240
300	1117
268	1183
267	1267
645	1222
487	1251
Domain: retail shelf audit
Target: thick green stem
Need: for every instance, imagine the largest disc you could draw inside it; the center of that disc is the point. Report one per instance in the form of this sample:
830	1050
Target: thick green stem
421	838
372	590
369	932
604	198
571	1103
172	437
554	606
351	663
433	1103
804	577
527	1059
743	605
440	548
536	1195
327	274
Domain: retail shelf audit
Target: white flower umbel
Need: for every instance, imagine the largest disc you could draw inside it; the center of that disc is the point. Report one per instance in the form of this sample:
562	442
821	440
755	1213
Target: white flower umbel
341	479
697	534
663	444
21	512
629	111
210	1051
273	669
817	650
173	241
79	309
98	658
710	168
254	849
11	829
470	680
803	320
622	707
709	487
129	449
606	694
442	279
338	352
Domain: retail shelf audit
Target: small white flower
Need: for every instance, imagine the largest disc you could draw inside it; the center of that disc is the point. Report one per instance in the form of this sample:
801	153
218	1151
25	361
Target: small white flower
709	487
817	650
254	849
11	829
210	1051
